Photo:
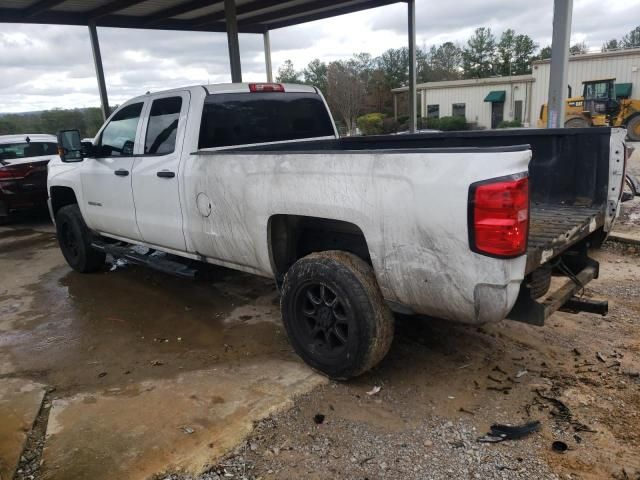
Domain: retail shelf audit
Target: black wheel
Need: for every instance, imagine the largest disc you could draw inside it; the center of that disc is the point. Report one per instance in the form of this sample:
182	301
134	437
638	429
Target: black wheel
633	128
74	239
576	123
335	315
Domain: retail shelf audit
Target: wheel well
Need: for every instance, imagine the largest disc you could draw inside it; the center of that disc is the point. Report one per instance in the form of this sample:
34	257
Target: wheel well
292	237
61	197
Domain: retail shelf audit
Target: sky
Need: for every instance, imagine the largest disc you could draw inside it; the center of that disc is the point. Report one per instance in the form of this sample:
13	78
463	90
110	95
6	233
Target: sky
46	67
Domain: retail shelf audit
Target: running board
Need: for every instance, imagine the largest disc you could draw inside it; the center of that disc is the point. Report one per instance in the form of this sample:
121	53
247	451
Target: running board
160	264
534	312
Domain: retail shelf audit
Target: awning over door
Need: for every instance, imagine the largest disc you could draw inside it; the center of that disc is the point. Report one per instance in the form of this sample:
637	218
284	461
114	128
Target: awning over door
623	90
496	96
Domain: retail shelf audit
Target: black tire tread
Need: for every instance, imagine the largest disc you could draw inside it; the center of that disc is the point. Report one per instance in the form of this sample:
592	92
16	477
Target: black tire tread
92	260
365	291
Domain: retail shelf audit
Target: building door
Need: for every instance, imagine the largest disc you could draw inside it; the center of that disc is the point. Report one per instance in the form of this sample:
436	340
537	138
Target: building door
517	111
497	113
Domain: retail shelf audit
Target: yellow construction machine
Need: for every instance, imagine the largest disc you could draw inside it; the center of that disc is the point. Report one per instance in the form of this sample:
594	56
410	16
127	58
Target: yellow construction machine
601	105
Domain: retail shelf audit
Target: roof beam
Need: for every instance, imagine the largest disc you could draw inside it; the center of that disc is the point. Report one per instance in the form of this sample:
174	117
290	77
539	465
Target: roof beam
240	10
301	9
39	7
110	8
272	24
179	10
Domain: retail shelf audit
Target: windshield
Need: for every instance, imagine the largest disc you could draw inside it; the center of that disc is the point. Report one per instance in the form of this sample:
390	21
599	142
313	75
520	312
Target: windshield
247	118
13	151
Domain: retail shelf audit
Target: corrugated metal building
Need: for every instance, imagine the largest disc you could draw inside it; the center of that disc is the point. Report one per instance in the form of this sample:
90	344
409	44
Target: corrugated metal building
487	101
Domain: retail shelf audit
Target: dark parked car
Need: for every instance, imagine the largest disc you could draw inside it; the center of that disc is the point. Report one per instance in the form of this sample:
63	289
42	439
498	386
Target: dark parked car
23	171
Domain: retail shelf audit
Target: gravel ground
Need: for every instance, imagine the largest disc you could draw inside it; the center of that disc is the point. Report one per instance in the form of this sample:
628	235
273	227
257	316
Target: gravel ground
443	385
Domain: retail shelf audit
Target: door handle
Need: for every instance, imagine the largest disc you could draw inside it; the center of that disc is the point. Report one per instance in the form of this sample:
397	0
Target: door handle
121	172
166	174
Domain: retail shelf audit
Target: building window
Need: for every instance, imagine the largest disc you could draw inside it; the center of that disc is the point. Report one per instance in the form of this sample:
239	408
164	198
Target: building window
433	111
458	110
517	111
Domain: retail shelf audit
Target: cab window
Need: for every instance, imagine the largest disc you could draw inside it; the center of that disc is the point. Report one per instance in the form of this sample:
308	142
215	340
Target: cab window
119	135
163	126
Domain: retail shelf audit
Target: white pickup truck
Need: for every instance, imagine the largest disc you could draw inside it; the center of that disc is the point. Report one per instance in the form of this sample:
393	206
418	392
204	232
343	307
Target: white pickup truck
466	226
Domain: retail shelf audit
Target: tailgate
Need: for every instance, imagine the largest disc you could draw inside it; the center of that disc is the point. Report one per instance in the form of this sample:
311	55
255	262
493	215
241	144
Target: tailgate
562	229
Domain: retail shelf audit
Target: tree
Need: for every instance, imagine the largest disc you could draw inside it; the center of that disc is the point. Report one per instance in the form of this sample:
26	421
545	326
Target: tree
506	52
545	53
287	74
578	48
345	91
445	61
478	57
316	74
611	45
394	64
631	39
523	54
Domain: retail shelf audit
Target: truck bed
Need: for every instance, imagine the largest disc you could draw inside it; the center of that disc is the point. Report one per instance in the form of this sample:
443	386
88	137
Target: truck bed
568	175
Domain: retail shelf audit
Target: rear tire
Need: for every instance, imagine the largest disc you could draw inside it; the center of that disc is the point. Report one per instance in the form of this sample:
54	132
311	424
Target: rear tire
576	123
74	238
633	129
334	313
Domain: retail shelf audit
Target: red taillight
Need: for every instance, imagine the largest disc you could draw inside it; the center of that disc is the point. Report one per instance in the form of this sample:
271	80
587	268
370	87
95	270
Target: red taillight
266	87
14	172
499	217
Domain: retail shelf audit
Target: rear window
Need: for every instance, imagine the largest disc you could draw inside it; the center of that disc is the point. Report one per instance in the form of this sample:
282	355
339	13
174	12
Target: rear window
245	118
10	151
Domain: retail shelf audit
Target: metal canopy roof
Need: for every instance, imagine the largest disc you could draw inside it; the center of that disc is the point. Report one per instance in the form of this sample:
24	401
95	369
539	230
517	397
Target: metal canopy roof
253	16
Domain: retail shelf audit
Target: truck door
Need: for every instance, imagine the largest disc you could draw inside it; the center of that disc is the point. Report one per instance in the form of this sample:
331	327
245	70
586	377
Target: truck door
106	179
155	172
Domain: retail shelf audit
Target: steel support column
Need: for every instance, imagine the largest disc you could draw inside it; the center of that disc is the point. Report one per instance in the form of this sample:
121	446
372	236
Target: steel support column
562	11
395	107
97	61
267	55
411	7
232	40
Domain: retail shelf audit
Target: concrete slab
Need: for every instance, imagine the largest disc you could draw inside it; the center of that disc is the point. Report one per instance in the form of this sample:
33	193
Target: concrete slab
183	423
20	402
631	238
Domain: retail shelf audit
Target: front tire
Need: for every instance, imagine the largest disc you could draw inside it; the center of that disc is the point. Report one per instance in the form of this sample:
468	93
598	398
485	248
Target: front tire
335	315
74	238
633	129
577	123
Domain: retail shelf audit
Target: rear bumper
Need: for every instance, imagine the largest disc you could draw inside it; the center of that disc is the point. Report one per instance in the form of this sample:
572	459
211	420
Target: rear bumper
535	312
15	195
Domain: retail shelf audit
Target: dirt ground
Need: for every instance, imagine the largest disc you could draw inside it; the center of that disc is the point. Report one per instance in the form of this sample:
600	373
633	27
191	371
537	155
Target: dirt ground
141	375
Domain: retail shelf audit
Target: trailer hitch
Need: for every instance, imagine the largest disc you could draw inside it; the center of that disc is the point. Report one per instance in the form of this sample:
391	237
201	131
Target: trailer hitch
528	310
580	304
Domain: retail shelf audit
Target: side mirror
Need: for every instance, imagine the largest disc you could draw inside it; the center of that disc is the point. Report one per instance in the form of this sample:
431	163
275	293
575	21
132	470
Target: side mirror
70	146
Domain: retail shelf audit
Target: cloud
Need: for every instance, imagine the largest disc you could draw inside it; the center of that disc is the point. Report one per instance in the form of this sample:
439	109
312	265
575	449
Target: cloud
46	66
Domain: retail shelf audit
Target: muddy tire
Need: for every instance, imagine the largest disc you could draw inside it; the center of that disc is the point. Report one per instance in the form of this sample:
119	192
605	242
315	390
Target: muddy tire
74	238
633	128
576	123
335	315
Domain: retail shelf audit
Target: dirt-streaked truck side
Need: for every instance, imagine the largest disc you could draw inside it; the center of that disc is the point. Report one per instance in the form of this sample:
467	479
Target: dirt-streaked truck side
253	177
